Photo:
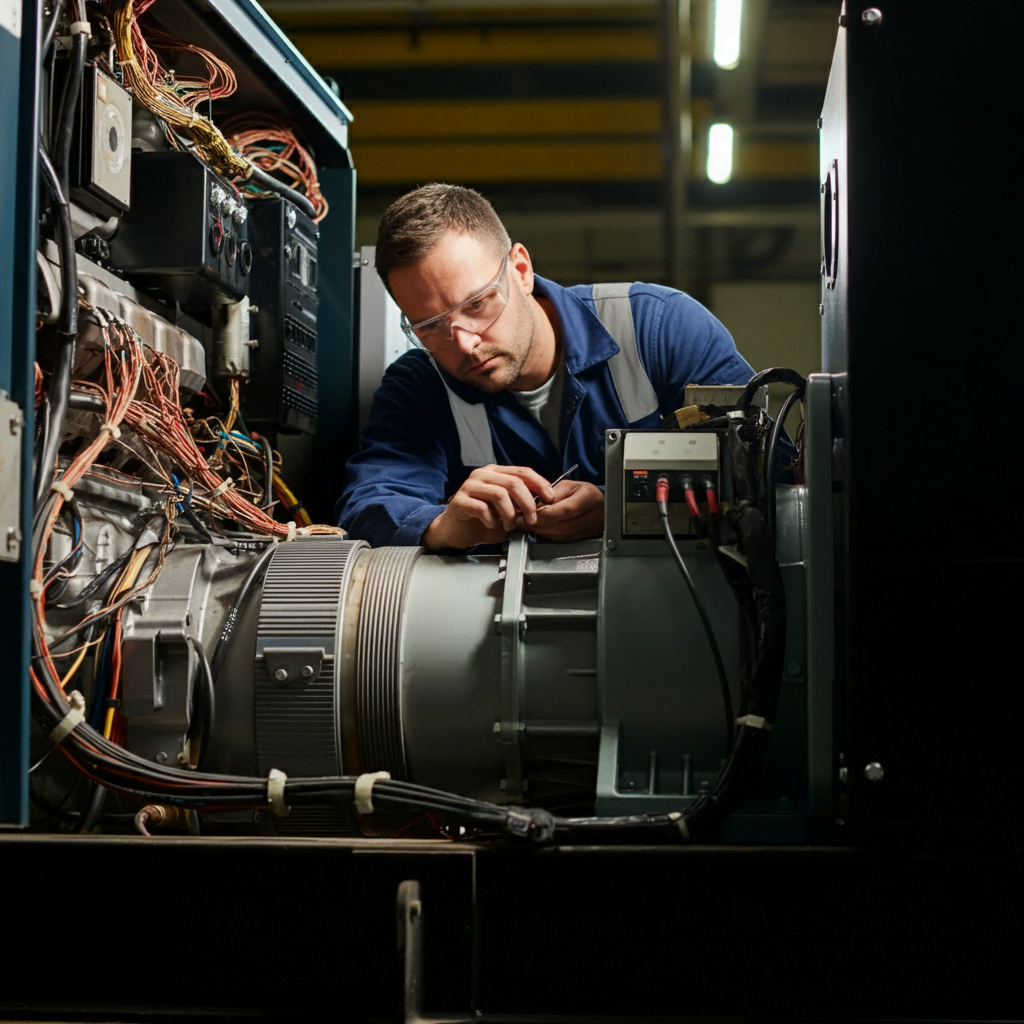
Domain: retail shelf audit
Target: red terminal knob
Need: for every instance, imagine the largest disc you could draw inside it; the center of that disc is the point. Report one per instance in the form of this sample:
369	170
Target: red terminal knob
661	489
709	489
691	498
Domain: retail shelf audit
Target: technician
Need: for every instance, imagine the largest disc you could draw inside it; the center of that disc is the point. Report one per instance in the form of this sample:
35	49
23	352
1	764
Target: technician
515	380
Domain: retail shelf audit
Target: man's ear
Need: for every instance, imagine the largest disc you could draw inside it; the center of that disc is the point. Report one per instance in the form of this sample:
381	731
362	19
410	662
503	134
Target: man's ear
522	267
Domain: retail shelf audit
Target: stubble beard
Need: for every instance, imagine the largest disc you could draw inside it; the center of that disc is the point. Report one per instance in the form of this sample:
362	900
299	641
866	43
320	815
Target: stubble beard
507	372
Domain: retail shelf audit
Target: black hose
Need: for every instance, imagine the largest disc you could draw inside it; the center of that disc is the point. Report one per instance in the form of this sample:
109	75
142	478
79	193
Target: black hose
270	184
231	622
203	717
84	402
776	375
268	472
67	328
723	681
770	454
65	128
49	32
92	816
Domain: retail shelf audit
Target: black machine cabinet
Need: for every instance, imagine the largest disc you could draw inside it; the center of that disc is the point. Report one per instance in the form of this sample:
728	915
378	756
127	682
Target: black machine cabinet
282	392
185	236
919	308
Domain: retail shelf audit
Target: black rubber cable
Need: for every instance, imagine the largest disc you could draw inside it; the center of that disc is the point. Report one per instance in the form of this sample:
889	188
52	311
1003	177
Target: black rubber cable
99	580
49	32
268	472
231	621
204	717
92	816
67	327
270	184
723	681
775	375
770	454
65	128
84	402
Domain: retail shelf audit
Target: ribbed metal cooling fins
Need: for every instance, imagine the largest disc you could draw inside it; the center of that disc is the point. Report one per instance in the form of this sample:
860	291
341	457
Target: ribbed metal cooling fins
300	649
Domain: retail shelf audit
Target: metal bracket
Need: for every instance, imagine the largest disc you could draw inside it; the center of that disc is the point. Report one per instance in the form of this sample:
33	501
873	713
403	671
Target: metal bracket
290	665
12	422
513	668
409	919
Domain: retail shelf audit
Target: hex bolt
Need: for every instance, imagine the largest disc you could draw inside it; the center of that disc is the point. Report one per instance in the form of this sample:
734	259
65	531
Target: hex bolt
307	671
281	675
874	772
820	122
871	16
161	757
611	543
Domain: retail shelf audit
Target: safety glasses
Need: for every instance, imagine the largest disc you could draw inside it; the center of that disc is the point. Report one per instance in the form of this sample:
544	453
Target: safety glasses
474	315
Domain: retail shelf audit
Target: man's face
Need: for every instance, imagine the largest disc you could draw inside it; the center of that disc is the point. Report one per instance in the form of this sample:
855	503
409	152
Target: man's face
457	268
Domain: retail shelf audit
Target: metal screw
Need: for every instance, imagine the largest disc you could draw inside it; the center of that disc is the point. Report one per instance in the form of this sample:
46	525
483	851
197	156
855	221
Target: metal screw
17	422
161	757
821	309
281	675
821	188
820	122
307	671
844	774
611	543
497	727
871	16
842	21
290	217
365	263
13	538
612	435
874	772
257	817
182	759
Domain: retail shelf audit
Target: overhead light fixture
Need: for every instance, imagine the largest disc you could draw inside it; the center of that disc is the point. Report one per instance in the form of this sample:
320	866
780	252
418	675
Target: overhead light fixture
720	153
728	22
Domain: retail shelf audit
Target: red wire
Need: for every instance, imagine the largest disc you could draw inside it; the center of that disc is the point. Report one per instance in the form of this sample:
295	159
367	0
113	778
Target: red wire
712	500
691	503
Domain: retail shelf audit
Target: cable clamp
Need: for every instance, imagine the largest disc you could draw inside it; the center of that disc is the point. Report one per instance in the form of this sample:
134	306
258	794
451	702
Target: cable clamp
62	489
75	716
292	531
80	28
364	790
112	428
755	722
275	792
220	488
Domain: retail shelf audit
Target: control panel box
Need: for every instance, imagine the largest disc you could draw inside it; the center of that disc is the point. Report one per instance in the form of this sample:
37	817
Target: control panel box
282	391
185	237
101	159
650	454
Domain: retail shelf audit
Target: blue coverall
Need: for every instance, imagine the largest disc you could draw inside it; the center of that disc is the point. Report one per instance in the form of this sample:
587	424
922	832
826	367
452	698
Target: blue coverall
410	462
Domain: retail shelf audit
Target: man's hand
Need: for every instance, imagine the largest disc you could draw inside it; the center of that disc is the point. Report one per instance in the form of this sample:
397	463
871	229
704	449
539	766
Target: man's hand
577	513
485	508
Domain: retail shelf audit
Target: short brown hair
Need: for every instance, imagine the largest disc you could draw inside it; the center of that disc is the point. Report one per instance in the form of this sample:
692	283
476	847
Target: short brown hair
413	225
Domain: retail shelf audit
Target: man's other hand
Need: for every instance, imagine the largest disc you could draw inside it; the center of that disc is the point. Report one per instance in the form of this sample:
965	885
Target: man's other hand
486	507
577	513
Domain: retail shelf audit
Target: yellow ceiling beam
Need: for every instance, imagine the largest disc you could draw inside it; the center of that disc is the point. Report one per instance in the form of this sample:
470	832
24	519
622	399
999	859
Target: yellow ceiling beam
454	119
756	158
382	163
360	49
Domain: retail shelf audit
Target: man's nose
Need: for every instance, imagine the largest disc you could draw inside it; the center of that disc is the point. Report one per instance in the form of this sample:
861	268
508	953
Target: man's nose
464	339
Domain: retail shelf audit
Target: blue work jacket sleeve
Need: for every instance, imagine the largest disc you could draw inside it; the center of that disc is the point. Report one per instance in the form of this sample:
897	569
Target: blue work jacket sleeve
687	346
396	483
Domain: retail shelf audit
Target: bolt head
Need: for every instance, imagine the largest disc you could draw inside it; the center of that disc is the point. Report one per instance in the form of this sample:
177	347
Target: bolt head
844	774
161	757
874	772
613	436
820	122
182	758
611	543
290	217
281	675
307	671
871	16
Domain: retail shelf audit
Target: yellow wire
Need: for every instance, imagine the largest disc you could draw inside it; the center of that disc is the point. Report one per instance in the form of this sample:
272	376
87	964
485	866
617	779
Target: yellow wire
74	668
292	500
124	584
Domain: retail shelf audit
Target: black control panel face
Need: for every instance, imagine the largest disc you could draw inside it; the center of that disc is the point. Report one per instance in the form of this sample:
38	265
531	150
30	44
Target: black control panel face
186	234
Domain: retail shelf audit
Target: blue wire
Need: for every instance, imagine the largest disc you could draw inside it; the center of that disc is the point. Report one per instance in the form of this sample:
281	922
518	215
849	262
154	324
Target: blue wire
177	488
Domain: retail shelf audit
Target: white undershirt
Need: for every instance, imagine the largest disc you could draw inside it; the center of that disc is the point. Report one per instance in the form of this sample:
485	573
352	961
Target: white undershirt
544	404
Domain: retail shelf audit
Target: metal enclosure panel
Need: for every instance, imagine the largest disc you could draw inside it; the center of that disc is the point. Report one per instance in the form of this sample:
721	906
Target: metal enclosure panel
932	621
381	339
19	85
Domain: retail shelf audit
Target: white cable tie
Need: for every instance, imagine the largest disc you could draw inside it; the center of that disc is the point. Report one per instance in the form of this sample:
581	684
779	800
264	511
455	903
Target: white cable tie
62	489
755	722
363	792
112	428
292	530
35	589
275	792
220	488
75	716
677	817
80	28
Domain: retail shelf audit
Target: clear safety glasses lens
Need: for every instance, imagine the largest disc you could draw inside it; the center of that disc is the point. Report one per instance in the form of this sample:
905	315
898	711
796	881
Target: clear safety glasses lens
473	317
